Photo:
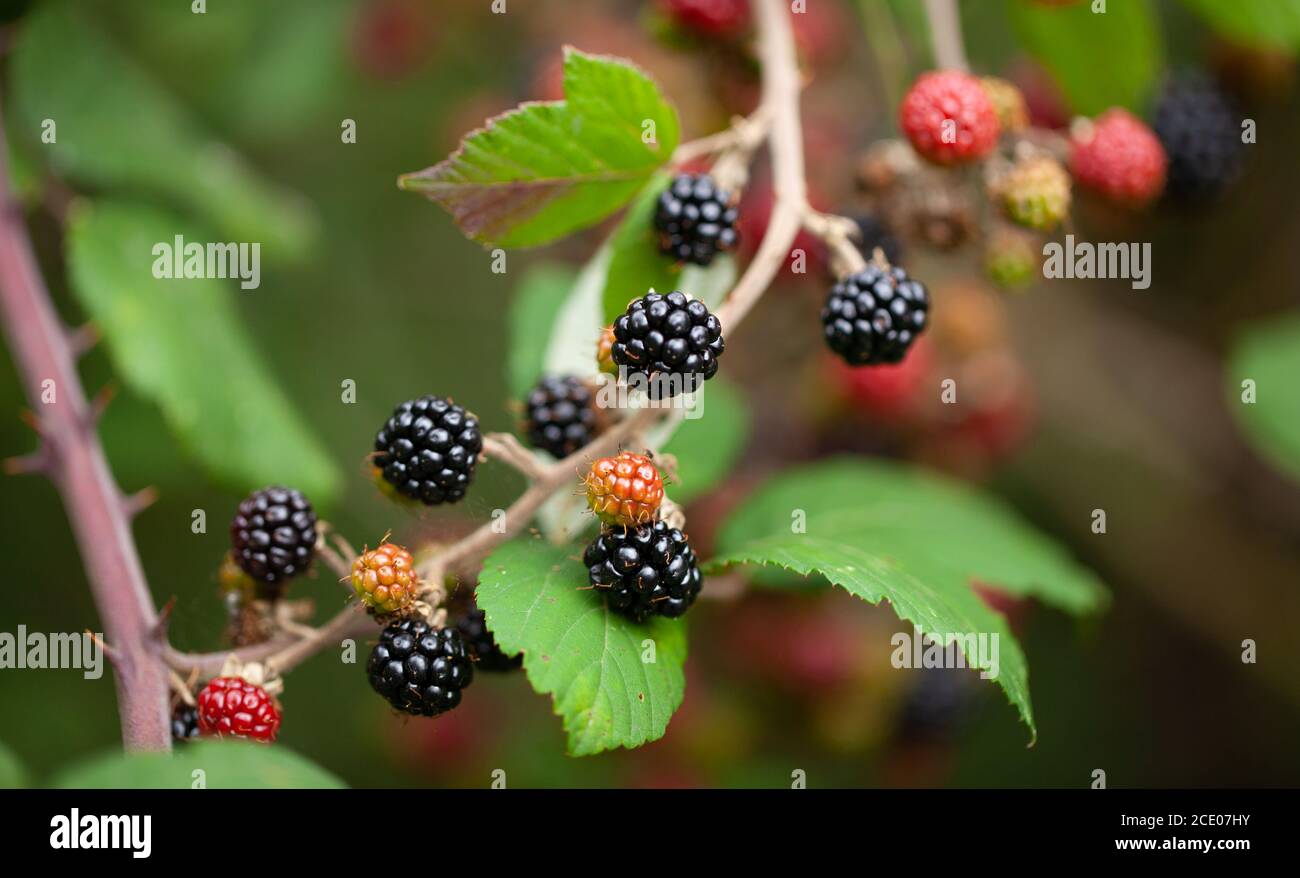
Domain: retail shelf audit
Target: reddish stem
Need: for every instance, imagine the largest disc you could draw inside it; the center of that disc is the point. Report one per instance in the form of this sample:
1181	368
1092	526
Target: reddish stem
74	460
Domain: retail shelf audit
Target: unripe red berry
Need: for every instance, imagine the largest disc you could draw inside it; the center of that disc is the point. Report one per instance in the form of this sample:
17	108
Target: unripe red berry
1120	157
948	117
235	708
385	579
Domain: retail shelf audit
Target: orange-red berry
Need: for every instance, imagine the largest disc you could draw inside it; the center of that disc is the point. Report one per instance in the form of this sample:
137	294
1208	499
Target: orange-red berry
626	489
385	579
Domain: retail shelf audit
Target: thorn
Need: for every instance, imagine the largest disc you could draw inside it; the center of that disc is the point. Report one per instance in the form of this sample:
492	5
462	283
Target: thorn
31	419
83	338
113	655
100	403
36	462
138	502
159	631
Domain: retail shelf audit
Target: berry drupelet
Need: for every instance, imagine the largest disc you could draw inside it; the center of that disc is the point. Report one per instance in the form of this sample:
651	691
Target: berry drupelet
273	535
428	449
695	219
561	415
874	316
644	571
420	670
673	341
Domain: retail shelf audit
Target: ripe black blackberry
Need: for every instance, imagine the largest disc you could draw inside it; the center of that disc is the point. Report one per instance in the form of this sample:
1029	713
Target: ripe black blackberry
669	337
875	233
561	415
273	536
428	449
419	669
695	219
874	316
644	570
483	646
1200	129
185	722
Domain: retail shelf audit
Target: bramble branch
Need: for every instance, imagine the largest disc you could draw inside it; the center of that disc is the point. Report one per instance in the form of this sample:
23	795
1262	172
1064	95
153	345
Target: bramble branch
72	457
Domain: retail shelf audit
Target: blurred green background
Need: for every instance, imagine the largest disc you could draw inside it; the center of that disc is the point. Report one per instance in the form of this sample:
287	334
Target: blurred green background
1131	415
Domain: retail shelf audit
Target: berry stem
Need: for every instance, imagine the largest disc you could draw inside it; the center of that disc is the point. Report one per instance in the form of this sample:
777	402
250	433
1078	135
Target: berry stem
945	35
74	460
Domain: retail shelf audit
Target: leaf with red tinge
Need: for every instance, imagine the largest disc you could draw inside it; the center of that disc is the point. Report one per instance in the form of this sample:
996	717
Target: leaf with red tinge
543	170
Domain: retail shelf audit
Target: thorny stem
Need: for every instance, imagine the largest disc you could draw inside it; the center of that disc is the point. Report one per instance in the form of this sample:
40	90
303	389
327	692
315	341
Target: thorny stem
72	457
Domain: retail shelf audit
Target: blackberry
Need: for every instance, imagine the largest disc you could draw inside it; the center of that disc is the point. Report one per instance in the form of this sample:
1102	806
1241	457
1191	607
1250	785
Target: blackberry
695	219
876	234
561	415
1200	129
273	535
873	316
483	646
428	449
937	704
419	669
673	337
185	722
644	570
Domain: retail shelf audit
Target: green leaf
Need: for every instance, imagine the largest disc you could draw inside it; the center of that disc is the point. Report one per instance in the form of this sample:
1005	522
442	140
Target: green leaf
224	765
117	129
1262	23
883	531
12	775
180	344
1269	355
707	447
543	170
588	659
541	294
636	265
1099	59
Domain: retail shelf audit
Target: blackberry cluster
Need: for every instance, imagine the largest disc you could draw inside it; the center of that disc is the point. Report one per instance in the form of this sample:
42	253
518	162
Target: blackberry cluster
561	415
873	316
428	449
673	337
419	669
185	722
483	646
644	571
695	219
1200	130
273	535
